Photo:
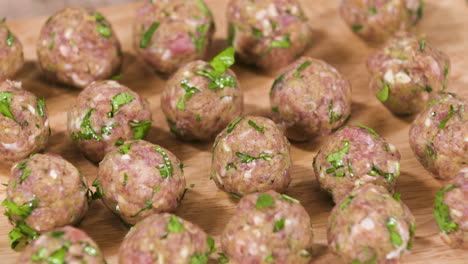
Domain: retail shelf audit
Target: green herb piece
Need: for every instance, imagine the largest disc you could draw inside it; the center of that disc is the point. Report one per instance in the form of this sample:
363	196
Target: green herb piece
372	10
149	206
336	160
118	101
165	169
90	250
107	129
412	231
58	257
199	42
99	193
230	166
446	70
285	43
275	109
203	8
125	178
235	195
395	237
231	34
222	258
24	176
118	143
189	91
104	30
396	196
199	258
270	258
273	24
288	198
446	119
52	40
420	11
174	226
247	159
57	234
40	254
233	125
372	131
40	107
173	127
383	94
117	77
22	211
21	230
10	39
264	200
333	116
192	185
220	64
5	102
125	148
426	88
442	211
303	66
277	80
345	203
430	150
140	129
308	254
87	132
350	169
422	45
258	128
389	176
279	225
257	33
146	38
357	28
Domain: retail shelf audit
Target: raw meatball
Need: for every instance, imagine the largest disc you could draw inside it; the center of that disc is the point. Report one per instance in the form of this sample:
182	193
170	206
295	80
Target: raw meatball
105	115
354	156
24	125
376	20
405	72
194	109
451	211
140	179
268	33
77	46
165	238
370	226
251	155
11	53
44	192
168	34
438	136
268	228
63	245
310	98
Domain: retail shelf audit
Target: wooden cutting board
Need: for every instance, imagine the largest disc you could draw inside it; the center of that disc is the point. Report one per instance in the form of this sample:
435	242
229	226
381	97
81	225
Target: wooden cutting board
446	26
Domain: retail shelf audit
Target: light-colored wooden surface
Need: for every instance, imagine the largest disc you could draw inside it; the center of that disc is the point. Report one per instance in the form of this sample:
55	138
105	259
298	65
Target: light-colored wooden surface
444	22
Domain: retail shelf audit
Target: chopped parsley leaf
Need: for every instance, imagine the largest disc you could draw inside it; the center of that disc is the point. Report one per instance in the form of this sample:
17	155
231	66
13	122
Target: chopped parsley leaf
174	225
395	237
140	129
5	102
303	66
147	35
442	211
233	124
118	101
258	128
264	200
383	94
165	169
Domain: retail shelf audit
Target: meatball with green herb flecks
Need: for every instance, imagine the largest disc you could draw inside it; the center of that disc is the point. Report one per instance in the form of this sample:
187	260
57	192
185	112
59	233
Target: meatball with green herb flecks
168	34
77	46
376	20
11	53
63	245
139	179
439	136
202	98
406	72
354	156
451	211
44	192
268	228
370	226
310	98
24	122
268	33
166	238
105	115
251	155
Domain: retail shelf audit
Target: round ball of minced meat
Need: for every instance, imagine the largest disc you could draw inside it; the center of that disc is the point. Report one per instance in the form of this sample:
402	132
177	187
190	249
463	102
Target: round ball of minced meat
77	46
406	72
11	53
370	226
310	98
251	155
268	33
376	20
438	136
268	228
168	34
49	191
105	115
63	245
196	111
140	179
354	156
451	211
165	238
24	125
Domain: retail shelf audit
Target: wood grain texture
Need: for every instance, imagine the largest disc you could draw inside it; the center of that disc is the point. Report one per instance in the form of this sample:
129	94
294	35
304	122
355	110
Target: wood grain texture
445	23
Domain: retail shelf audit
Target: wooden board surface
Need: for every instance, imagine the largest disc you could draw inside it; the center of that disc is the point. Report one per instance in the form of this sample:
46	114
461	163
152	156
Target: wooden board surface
444	22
